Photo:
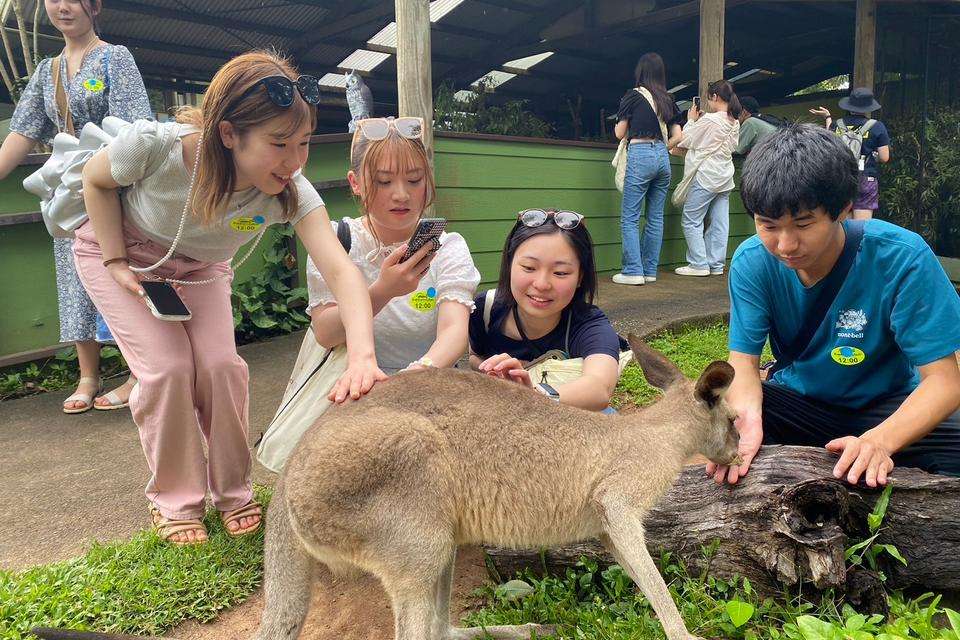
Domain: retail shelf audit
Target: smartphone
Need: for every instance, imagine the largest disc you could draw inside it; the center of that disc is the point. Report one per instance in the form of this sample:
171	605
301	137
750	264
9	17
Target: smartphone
163	301
428	230
696	102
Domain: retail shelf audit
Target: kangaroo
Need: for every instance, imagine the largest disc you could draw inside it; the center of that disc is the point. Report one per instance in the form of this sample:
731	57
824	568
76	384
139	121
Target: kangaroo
433	459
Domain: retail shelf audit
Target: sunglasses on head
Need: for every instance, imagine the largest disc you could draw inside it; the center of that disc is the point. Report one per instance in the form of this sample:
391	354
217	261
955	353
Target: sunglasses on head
280	89
537	217
379	128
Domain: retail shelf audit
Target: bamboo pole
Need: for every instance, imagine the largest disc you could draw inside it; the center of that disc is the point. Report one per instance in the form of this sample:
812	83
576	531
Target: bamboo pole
24	40
36	31
6	41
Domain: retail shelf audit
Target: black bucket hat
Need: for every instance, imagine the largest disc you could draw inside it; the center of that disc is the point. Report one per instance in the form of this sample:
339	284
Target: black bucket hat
860	100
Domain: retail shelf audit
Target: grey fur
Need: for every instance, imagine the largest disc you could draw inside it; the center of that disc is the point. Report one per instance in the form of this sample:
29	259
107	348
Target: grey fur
359	99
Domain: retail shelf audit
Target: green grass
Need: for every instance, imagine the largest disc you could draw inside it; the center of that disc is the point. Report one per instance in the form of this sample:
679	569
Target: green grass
142	586
591	603
692	350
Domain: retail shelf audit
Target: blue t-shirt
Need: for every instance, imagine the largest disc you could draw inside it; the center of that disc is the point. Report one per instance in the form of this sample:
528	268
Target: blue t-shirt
873	139
896	311
590	333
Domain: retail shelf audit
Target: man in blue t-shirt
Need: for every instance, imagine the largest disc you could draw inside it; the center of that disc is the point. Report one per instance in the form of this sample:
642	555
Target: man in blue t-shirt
874	147
878	382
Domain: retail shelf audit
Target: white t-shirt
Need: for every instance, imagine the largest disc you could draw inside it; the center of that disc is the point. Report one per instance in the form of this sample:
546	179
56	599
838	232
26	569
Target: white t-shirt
406	327
711	141
156	183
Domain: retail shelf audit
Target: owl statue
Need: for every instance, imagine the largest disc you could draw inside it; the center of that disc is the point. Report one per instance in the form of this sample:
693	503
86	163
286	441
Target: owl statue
359	99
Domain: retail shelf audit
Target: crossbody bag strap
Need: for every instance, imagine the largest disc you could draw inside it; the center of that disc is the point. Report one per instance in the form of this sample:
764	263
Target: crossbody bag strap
343	234
488	308
818	310
60	97
653	105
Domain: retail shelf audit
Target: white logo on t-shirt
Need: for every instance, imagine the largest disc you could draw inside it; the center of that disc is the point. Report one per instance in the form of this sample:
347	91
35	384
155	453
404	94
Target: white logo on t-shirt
852	320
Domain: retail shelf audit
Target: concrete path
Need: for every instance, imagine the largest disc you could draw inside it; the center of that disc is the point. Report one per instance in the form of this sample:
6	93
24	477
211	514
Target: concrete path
71	479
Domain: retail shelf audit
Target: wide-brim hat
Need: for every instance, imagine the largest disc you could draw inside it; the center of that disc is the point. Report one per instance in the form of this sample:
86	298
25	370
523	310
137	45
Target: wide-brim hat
860	100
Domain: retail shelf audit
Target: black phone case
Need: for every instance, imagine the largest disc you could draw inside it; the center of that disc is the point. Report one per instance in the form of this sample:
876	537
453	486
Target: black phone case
164	298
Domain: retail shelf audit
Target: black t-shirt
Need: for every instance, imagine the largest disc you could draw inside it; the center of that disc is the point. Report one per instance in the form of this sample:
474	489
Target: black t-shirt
875	138
590	333
642	119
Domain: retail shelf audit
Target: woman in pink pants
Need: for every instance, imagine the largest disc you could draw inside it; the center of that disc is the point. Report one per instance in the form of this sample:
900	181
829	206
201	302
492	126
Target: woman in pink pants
175	201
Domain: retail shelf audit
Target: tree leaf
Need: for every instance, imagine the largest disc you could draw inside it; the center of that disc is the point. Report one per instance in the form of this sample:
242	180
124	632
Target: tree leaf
514	590
954	619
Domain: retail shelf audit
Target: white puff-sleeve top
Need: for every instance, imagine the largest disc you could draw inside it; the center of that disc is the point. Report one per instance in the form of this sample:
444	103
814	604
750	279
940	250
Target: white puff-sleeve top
406	327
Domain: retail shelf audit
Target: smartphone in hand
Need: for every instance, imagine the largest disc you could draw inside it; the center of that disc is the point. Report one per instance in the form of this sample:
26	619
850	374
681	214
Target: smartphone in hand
163	301
428	230
696	103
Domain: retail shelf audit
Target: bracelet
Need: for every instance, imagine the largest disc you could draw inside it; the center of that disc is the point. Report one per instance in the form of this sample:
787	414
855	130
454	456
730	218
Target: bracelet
423	361
107	263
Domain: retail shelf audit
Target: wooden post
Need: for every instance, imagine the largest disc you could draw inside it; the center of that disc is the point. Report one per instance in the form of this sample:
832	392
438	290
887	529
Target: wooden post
865	46
414	75
711	45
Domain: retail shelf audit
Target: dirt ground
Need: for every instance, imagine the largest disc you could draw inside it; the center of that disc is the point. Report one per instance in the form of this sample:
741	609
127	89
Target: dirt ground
348	609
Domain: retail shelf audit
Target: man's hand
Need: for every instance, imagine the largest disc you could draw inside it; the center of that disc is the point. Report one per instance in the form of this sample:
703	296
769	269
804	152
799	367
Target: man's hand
861	456
750	426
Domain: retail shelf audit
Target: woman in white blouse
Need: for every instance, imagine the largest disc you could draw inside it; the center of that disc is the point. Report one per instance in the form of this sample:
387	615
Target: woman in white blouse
421	306
709	140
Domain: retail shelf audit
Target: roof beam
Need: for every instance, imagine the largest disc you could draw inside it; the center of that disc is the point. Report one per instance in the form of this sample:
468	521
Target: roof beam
519	7
308	40
182	15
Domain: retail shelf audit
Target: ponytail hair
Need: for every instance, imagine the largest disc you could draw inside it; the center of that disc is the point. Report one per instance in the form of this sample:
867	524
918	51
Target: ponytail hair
228	98
724	90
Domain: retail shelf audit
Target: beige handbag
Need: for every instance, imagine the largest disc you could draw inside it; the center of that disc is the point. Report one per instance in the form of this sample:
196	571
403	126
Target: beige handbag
619	161
316	371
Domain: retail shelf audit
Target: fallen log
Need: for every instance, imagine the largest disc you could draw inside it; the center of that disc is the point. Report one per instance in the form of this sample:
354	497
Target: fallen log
788	522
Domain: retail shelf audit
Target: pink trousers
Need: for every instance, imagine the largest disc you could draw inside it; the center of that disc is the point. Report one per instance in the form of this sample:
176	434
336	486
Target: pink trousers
193	386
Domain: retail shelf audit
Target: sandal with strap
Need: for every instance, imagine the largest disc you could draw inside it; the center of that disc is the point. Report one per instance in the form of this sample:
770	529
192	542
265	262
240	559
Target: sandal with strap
85	398
248	510
113	399
167	528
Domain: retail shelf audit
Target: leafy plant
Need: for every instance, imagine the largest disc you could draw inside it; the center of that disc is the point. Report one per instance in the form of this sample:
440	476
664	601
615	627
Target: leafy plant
58	372
471	112
869	550
920	186
266	305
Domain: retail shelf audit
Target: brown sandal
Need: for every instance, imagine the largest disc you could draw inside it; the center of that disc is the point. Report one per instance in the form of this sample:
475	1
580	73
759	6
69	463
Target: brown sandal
250	509
167	528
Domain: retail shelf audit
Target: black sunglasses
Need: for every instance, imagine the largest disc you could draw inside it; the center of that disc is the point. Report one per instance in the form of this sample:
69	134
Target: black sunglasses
280	89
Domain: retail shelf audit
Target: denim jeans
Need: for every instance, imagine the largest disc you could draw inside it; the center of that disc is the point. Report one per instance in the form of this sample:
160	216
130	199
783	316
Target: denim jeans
706	249
647	180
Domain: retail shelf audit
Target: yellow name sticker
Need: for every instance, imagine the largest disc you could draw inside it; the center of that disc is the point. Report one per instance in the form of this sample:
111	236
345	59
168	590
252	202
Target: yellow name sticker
848	356
424	301
94	85
246	224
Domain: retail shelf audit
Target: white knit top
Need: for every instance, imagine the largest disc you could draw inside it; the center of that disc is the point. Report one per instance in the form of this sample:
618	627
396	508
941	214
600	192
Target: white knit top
406	327
147	159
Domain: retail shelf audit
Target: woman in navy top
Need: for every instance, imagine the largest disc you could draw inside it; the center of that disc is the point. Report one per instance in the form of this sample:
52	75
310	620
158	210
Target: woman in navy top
544	301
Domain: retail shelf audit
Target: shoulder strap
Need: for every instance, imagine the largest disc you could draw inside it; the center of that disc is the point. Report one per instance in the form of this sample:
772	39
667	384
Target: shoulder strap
818	310
343	234
488	307
649	98
866	127
60	97
106	65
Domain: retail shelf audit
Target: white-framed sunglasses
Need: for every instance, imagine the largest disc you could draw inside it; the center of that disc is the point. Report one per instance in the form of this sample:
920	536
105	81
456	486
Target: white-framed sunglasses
537	217
379	128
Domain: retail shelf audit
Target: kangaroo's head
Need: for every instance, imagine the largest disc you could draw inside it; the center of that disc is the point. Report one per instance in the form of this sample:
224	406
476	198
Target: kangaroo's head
700	403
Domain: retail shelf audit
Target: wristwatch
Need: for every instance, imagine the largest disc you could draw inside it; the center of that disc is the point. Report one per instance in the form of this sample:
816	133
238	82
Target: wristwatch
548	391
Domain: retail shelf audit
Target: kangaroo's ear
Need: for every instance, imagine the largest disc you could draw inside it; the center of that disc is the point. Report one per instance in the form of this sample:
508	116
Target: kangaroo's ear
714	382
659	371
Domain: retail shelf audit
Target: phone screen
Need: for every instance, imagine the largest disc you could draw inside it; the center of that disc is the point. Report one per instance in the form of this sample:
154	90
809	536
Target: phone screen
428	230
164	298
696	102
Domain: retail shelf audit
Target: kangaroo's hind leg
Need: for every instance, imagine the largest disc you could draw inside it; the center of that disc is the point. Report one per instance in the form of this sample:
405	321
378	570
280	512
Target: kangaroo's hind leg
626	541
288	576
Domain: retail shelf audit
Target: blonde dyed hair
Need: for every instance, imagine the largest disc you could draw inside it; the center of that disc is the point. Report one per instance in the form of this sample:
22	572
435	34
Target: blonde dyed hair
217	174
394	151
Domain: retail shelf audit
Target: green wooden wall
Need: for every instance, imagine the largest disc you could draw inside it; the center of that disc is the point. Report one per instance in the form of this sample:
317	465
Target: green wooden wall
482	182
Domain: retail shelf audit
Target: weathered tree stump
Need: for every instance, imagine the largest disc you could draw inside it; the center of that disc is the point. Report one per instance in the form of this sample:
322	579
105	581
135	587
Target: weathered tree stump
789	521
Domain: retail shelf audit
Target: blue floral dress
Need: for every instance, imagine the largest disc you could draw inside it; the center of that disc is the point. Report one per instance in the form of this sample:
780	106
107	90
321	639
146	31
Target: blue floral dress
107	83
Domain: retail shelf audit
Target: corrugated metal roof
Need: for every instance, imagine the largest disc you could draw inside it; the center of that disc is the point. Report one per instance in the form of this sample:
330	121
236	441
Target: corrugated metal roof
363	60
